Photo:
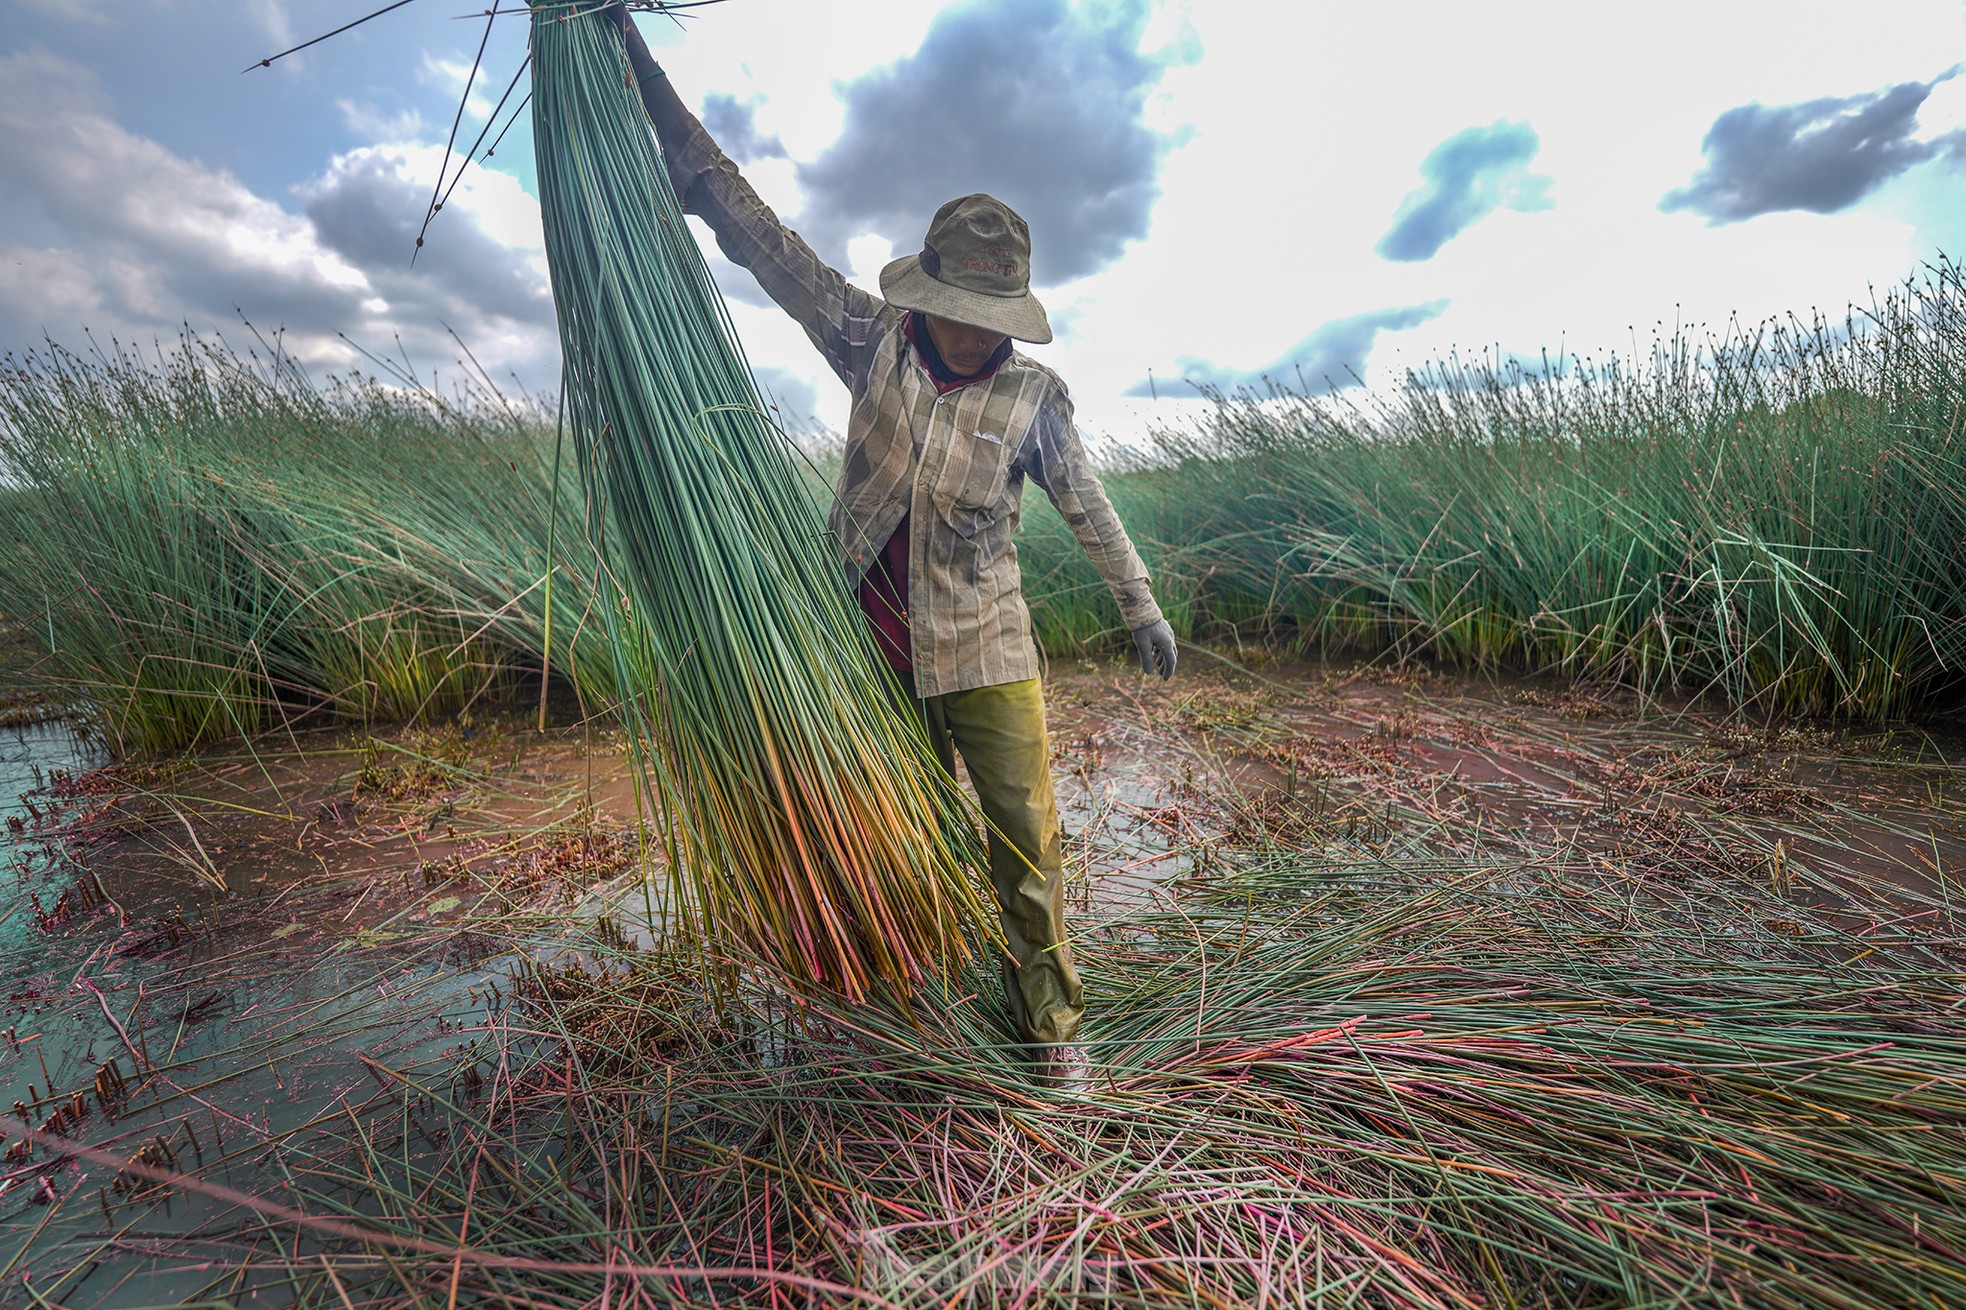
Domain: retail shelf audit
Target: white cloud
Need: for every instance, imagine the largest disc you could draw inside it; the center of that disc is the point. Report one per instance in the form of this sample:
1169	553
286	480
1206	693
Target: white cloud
451	76
867	256
151	240
363	119
80	11
58	286
791	52
165	235
1944	111
272	18
482	267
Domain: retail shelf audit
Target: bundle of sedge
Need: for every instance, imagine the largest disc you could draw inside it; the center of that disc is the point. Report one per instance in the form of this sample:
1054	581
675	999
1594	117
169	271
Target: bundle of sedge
801	800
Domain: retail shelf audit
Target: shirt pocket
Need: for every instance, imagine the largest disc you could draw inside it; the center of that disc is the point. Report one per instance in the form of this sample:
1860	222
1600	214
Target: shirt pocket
969	491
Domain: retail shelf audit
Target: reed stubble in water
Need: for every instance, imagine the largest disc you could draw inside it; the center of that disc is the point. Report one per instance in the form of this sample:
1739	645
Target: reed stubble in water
801	801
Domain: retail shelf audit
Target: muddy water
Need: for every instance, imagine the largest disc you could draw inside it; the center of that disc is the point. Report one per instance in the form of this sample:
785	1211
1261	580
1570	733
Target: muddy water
27	755
202	965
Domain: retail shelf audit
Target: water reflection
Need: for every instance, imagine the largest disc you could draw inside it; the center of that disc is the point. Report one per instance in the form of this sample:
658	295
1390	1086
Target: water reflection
28	754
161	1018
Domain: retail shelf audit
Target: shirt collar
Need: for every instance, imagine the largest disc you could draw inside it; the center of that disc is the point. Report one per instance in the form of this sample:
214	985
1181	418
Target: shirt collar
939	373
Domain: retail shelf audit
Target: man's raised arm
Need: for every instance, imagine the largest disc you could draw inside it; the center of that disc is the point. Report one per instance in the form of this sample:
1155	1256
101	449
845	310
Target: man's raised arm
834	313
672	118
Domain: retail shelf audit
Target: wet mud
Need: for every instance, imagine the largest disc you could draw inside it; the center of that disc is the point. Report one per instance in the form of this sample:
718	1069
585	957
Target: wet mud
1154	777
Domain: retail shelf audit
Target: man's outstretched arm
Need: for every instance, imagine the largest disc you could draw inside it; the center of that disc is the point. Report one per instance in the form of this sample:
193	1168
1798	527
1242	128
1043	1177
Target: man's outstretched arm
835	314
666	109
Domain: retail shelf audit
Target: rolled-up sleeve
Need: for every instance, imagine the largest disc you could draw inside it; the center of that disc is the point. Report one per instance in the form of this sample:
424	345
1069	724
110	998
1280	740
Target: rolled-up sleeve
1056	460
837	315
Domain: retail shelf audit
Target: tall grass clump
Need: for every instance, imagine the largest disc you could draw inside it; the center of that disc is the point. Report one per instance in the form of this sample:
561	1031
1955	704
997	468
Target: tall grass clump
802	801
1770	514
205	543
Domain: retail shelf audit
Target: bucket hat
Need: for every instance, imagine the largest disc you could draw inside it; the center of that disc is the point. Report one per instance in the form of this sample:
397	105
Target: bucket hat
975	268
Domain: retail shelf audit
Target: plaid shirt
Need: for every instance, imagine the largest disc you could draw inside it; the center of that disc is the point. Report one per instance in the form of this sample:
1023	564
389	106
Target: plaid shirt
954	464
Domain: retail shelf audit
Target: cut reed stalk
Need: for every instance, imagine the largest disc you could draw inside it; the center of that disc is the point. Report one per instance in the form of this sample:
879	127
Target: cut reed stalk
802	802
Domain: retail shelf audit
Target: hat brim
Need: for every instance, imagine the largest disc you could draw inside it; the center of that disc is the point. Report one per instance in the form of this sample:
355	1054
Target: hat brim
904	283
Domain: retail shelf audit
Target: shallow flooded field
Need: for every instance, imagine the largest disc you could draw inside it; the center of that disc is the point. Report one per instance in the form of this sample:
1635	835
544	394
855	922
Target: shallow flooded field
1544	773
236	979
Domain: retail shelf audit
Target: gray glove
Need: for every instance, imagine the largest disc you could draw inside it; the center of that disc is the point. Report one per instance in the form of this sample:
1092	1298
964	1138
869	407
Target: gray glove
1155	642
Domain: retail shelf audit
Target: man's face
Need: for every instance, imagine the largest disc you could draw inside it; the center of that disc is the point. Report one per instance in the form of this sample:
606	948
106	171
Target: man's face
963	348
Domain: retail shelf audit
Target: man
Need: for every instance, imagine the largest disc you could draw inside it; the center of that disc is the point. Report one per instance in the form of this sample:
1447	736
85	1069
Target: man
947	422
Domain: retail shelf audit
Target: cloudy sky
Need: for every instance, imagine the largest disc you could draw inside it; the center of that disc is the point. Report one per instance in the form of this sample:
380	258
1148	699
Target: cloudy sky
1218	191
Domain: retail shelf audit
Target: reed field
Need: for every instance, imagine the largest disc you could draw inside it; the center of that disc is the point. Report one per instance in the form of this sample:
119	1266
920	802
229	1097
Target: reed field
1771	515
205	542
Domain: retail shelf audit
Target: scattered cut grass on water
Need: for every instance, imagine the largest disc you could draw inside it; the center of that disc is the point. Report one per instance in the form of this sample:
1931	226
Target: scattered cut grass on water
1381	1032
1381	1077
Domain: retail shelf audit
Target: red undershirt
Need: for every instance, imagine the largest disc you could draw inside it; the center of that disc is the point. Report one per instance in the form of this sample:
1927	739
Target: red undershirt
884	587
